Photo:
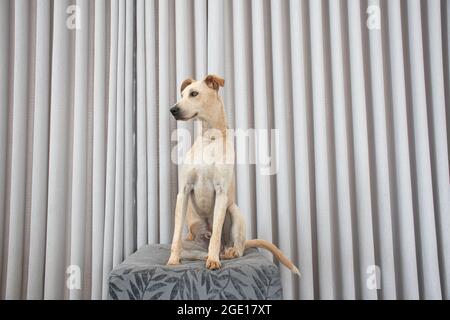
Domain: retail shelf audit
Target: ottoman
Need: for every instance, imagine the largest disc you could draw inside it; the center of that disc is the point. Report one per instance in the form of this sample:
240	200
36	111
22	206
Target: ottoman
145	276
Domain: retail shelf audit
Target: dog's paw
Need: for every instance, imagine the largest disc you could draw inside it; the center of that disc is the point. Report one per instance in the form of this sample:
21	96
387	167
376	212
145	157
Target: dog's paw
190	237
173	261
212	264
230	253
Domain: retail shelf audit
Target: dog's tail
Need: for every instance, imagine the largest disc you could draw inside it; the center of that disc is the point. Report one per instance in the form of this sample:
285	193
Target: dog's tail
260	243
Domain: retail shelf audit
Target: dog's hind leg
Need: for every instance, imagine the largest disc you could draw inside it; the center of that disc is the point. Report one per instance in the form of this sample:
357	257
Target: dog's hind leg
194	255
237	233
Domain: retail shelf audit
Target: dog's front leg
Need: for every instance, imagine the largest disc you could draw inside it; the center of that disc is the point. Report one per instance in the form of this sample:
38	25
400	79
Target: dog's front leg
180	213
220	207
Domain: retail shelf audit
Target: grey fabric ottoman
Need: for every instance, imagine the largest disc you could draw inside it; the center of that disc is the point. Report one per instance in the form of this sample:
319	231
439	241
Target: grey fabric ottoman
145	276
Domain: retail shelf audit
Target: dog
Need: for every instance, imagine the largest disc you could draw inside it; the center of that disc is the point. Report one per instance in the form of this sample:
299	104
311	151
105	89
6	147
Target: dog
206	197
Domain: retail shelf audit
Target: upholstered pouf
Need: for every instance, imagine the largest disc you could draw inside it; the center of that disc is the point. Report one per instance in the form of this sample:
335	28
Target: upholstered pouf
145	276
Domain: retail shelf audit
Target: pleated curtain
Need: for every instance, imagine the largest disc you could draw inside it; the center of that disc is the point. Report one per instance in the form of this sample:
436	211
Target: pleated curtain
357	92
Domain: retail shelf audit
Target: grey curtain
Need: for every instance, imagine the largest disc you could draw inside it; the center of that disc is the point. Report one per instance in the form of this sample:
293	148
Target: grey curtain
358	91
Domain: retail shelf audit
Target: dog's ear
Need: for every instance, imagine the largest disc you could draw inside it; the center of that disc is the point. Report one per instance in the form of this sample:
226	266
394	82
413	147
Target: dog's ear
214	82
185	84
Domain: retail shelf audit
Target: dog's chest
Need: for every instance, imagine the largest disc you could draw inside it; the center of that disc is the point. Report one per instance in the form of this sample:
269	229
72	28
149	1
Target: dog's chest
203	196
204	153
203	170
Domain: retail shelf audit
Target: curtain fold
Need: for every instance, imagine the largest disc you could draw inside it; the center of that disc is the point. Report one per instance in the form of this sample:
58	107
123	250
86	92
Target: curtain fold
425	214
110	149
80	131
151	138
99	146
303	150
19	102
5	53
60	152
341	125
345	102
326	259
407	277
363	217
439	156
141	133
40	152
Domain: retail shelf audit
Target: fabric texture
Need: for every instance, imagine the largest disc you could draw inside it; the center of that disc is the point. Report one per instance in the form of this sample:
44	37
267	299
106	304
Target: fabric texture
145	276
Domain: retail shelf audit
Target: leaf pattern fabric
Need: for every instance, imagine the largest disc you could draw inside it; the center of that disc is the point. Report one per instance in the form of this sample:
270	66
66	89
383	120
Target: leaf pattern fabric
145	276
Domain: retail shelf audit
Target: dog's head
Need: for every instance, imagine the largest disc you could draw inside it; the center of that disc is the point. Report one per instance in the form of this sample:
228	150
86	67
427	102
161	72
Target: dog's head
198	99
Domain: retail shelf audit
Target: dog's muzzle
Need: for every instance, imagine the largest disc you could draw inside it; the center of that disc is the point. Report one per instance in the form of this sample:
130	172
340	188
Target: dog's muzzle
179	115
175	111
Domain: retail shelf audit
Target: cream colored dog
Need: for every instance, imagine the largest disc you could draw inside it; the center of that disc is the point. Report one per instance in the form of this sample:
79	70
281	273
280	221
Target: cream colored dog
207	180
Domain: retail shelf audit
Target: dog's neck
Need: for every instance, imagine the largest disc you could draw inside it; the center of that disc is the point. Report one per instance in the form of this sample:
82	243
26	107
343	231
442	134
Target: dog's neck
211	126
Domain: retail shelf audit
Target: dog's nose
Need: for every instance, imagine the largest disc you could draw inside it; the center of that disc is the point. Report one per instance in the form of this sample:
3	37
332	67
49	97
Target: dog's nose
174	110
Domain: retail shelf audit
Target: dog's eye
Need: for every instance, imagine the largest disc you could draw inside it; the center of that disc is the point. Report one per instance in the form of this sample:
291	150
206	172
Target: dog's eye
193	93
